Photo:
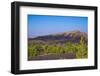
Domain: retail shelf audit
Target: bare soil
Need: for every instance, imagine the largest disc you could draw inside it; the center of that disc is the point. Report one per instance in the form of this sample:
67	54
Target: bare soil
54	56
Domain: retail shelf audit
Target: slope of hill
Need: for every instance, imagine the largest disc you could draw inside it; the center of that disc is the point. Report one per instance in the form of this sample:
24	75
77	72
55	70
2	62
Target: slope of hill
73	36
67	45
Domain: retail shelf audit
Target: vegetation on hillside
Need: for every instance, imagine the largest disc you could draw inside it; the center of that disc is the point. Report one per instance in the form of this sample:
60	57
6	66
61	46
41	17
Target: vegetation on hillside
40	47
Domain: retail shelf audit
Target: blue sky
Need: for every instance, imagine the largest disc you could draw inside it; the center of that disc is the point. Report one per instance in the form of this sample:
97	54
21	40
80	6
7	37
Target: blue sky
39	25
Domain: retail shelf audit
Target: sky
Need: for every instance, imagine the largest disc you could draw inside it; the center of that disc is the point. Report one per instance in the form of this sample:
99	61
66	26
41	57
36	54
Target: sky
40	25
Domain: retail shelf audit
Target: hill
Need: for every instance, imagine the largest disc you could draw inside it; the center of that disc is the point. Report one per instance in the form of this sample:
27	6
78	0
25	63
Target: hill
66	45
73	36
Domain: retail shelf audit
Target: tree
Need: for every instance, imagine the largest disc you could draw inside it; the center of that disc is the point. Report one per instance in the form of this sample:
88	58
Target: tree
82	49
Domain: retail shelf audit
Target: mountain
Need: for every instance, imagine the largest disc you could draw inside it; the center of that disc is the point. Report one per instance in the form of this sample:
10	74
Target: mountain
72	36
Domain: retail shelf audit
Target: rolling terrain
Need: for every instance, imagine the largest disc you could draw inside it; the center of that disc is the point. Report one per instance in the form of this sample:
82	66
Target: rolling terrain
66	45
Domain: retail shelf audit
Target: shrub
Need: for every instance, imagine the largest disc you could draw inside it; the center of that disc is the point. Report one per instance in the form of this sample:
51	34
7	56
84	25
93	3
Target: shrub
82	49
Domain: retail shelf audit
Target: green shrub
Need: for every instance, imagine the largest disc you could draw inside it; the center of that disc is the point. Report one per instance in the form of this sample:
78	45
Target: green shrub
80	49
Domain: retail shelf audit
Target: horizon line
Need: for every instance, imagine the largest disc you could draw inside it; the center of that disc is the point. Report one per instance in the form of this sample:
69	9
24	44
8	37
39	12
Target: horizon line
60	33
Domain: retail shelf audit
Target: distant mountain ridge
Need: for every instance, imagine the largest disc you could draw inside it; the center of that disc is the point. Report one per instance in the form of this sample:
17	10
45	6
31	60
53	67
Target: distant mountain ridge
72	36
